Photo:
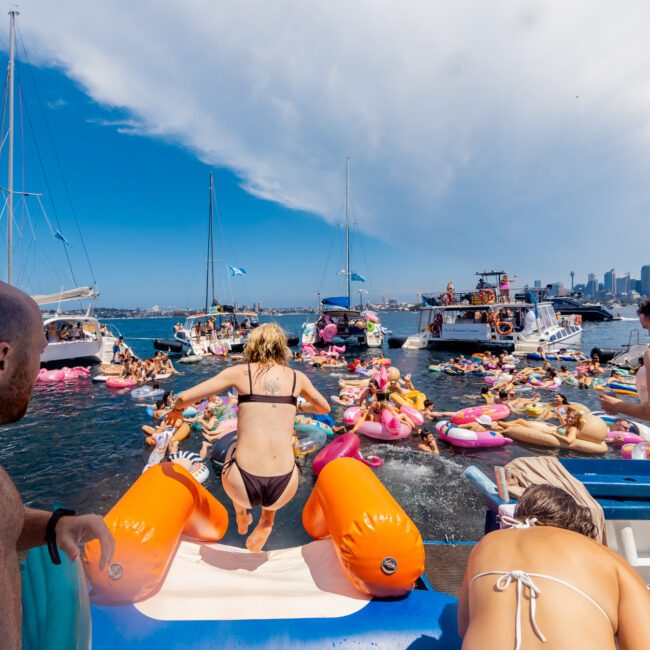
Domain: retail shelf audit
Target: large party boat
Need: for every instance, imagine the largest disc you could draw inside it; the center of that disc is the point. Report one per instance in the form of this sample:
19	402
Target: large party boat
488	318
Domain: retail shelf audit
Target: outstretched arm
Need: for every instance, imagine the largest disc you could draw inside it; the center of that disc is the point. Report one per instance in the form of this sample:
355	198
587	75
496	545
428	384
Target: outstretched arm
222	382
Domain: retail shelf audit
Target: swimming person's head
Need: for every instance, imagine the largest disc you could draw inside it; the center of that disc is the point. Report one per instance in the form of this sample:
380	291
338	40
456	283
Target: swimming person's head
552	506
381	396
643	312
561	399
267	344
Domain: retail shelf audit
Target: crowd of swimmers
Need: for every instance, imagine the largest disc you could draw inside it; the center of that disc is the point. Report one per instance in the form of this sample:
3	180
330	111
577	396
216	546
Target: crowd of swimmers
126	365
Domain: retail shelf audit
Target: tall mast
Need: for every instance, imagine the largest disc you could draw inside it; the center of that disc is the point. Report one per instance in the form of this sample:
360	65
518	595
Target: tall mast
210	253
347	229
10	176
212	234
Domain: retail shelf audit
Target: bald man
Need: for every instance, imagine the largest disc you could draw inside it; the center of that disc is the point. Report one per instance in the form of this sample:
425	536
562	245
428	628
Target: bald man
21	342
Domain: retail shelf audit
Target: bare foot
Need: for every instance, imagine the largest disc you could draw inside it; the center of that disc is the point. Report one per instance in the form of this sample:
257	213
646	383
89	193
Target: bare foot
244	520
204	449
173	448
260	534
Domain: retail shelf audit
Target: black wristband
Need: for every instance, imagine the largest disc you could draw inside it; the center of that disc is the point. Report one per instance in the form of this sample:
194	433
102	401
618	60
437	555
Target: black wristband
50	533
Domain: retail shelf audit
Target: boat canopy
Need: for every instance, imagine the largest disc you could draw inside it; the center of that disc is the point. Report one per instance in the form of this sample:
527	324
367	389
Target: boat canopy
337	301
80	293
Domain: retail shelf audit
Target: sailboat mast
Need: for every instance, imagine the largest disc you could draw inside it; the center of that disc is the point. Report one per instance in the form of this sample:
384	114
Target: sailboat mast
212	234
208	256
10	176
347	229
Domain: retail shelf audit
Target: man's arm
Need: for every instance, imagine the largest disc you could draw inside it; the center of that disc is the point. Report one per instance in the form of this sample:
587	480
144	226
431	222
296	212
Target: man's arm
70	531
614	405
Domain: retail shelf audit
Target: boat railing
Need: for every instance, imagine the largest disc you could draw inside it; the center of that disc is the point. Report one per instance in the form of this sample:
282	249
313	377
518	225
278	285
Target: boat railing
477	297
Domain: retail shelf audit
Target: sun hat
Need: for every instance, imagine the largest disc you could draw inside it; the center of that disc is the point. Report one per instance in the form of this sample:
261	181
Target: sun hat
485	420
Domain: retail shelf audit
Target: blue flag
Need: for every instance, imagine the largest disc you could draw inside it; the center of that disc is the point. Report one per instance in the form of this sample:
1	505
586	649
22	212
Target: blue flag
234	270
355	277
58	235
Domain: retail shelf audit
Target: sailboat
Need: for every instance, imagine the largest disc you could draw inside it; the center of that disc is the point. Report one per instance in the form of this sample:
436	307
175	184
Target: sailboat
337	323
72	338
220	328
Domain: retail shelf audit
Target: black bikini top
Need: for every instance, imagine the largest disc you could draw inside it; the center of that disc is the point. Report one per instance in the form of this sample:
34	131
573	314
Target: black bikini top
268	399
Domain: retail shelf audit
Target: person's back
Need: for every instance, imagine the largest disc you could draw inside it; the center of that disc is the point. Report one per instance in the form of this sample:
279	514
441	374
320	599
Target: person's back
570	590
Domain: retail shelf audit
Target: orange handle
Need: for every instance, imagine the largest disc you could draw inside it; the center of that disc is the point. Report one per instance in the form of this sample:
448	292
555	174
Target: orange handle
378	545
147	522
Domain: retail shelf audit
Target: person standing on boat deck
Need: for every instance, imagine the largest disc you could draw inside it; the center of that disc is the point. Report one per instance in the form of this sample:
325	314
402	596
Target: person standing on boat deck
260	468
546	579
21	343
641	410
504	287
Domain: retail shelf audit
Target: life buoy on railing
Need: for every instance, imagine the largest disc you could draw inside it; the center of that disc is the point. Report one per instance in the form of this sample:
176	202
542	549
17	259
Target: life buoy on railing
360	324
578	319
220	309
447	298
504	327
486	296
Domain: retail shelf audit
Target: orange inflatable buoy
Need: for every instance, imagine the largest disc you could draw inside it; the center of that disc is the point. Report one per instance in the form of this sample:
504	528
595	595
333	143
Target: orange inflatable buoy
147	522
379	547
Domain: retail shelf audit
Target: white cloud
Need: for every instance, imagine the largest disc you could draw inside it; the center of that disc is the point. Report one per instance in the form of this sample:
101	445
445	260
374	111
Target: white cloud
56	104
463	119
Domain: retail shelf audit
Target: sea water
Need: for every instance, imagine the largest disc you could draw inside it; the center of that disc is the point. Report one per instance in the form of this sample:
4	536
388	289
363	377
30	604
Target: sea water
80	443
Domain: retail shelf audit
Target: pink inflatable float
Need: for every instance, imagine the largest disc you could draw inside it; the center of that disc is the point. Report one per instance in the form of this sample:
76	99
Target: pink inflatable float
329	332
345	446
620	438
640	451
308	350
351	415
62	374
469	439
378	431
471	414
119	382
412	414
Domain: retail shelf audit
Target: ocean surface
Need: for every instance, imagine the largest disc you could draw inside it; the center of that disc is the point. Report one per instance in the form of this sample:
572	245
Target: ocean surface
80	444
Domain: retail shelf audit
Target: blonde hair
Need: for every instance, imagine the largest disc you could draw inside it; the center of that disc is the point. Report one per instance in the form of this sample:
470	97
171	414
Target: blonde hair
267	344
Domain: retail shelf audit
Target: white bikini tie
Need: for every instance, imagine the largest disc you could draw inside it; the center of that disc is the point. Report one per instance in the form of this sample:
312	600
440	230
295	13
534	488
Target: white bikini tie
512	522
524	579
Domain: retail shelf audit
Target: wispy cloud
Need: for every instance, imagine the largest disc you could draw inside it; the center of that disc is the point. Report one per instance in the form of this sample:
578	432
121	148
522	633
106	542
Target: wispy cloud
472	126
56	104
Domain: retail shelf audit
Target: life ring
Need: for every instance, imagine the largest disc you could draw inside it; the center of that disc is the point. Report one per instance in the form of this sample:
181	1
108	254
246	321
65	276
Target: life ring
219	309
370	327
504	327
360	324
433	328
578	319
449	300
486	295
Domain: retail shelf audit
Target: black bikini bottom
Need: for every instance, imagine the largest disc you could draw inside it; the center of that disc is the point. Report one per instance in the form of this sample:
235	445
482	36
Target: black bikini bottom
261	490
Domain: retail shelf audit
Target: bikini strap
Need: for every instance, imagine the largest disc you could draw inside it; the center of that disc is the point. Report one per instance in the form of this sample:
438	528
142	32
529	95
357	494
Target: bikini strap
250	380
294	383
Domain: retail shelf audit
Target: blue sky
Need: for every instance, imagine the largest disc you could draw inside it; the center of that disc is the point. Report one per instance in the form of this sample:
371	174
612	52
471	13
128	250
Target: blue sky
511	136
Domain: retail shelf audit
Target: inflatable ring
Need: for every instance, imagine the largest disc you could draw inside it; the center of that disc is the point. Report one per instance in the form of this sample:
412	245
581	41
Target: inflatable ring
486	295
193	463
433	328
449	300
360	324
503	327
370	327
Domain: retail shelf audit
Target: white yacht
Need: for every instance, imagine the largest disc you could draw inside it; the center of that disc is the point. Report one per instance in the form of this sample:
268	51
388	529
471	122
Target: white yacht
74	338
230	331
484	319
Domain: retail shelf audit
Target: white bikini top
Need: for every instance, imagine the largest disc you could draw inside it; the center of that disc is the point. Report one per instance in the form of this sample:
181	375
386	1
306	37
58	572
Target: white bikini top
525	580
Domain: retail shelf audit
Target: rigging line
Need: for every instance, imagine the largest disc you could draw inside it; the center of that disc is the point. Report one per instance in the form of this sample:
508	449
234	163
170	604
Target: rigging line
47	183
56	157
365	258
327	260
65	246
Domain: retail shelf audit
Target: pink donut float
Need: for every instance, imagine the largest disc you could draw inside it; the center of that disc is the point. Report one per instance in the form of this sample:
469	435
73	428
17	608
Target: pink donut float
390	421
640	451
469	439
62	374
413	415
345	446
119	382
378	431
620	438
471	414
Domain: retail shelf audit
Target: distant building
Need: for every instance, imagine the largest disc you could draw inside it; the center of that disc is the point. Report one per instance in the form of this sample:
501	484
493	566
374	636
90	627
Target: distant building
622	284
558	289
645	280
537	284
610	281
257	307
591	288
